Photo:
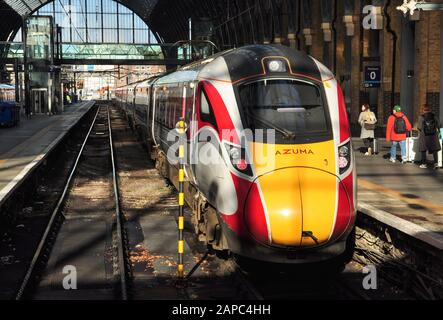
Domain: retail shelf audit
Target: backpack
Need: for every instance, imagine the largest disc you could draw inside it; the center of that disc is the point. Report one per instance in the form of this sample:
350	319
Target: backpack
429	126
400	125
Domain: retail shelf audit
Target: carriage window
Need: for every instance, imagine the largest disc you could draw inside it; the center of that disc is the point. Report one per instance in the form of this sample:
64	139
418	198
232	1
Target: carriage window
292	108
206	112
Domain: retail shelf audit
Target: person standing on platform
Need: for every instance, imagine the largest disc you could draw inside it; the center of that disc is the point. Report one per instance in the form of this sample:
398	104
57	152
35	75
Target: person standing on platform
429	134
396	130
367	121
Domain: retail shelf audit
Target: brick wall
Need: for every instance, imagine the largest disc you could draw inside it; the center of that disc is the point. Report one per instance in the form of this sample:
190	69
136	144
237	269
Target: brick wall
433	101
427	58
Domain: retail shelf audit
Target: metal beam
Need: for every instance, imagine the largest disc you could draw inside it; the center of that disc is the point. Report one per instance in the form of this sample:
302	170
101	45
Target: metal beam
26	5
155	62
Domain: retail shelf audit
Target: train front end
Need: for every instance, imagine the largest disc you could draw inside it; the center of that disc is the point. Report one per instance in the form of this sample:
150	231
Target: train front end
284	134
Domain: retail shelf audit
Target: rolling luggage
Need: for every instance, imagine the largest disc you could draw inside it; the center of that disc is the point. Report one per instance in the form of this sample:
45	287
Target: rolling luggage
412	153
440	156
375	147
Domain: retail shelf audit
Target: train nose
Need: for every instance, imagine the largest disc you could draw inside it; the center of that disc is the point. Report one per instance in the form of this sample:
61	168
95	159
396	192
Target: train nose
299	205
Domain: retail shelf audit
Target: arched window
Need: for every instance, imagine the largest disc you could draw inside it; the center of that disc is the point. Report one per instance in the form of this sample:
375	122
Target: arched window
95	21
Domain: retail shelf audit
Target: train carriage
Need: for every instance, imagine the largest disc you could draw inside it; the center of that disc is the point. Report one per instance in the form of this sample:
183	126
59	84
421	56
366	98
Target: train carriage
270	168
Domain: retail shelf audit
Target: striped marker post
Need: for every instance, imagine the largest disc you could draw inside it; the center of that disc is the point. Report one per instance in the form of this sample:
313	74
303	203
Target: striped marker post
181	197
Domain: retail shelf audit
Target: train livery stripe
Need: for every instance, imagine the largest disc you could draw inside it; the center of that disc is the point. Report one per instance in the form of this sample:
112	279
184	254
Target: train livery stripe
345	210
255	216
224	121
344	123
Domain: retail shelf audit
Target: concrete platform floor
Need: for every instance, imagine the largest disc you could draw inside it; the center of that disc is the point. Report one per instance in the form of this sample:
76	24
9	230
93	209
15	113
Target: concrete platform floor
405	191
23	147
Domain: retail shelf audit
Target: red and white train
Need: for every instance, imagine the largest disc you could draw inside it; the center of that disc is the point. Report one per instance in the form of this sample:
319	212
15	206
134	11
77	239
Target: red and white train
285	192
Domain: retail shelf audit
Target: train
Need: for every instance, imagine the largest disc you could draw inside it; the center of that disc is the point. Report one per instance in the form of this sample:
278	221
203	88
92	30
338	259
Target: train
270	168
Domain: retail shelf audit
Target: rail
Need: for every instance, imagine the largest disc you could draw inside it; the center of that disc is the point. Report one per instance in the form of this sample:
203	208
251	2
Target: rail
119	218
54	215
57	213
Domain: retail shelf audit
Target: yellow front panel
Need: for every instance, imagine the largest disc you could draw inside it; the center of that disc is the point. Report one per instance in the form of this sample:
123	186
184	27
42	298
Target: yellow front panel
318	191
299	187
282	198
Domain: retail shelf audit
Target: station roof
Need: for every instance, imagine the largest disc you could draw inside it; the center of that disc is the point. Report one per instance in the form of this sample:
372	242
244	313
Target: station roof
26	7
12	12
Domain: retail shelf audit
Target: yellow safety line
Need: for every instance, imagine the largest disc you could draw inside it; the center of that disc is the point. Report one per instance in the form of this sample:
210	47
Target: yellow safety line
435	208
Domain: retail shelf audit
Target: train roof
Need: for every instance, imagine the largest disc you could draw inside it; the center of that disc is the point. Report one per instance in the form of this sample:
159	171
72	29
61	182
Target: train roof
247	62
242	63
142	83
6	86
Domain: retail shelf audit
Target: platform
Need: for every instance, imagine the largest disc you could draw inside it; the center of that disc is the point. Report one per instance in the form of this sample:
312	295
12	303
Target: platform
23	148
402	196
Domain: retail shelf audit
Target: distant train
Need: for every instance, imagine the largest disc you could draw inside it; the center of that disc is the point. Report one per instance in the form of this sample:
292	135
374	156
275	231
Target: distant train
285	192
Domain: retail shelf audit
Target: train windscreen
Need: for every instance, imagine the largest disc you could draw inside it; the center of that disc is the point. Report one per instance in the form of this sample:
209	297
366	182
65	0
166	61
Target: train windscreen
293	108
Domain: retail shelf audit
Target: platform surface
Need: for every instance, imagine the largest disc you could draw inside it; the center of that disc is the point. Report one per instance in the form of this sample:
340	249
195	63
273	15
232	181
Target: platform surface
23	147
403	196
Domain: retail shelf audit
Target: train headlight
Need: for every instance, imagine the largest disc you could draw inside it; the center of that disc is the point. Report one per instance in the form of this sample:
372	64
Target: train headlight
235	153
343	151
237	156
276	66
344	157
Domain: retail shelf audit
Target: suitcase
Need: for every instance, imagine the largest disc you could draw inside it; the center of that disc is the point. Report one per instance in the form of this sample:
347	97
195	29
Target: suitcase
375	147
412	153
440	155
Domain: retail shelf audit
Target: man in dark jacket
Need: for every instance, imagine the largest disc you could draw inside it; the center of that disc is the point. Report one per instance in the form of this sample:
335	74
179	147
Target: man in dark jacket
429	132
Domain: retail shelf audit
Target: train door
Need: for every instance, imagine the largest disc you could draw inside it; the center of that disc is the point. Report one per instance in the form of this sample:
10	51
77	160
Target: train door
176	110
204	119
189	115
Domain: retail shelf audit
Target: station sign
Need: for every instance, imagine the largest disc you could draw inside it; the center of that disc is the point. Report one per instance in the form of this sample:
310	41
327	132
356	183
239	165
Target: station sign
372	77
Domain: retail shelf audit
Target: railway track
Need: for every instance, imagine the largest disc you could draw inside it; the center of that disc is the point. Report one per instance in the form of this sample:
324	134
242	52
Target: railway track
90	204
268	282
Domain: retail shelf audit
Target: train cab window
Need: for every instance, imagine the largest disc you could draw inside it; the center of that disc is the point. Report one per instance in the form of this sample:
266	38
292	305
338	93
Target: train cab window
294	109
206	111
